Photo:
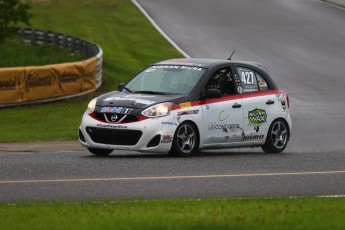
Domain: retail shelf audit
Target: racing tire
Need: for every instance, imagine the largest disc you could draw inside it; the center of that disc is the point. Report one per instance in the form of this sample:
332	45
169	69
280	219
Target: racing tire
100	152
277	137
186	140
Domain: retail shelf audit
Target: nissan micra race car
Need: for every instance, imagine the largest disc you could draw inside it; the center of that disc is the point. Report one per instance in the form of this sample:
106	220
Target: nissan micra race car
181	106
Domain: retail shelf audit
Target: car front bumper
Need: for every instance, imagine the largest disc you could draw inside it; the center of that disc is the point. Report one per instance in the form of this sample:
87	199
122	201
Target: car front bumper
151	134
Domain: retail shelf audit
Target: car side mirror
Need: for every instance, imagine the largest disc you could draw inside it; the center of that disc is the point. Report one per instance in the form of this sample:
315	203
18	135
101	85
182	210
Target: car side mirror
213	93
120	87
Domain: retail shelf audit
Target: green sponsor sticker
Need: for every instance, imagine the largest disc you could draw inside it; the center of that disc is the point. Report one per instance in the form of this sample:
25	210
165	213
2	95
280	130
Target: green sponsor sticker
257	117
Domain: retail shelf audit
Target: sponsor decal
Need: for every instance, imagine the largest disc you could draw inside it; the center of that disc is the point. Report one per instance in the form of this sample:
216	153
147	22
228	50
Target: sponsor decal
253	137
112	126
223	116
7	85
68	78
257	117
237	80
37	81
188	112
120	110
247	77
223	127
165	67
166	139
185	105
262	84
282	99
150	70
168	123
239	89
284	105
250	90
193	68
135	100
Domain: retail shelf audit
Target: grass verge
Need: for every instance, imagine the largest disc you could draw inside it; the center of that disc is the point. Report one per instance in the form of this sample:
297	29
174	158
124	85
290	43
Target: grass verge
129	43
273	213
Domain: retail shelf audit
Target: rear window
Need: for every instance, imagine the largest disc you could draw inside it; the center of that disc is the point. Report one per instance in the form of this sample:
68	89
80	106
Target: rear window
251	81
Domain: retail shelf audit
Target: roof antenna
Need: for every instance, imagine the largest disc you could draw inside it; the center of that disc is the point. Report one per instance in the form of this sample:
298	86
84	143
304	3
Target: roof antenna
231	55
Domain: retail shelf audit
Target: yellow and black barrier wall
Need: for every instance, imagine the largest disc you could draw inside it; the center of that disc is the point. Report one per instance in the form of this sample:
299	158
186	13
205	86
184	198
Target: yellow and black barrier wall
26	85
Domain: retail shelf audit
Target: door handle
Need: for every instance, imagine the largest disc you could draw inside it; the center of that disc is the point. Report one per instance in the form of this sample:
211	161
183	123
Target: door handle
269	102
236	106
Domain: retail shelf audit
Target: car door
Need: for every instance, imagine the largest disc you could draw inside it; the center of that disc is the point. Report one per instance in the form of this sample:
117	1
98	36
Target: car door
223	116
259	103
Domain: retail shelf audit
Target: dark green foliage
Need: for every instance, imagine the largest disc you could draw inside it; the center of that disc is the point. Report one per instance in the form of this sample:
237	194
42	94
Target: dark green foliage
13	12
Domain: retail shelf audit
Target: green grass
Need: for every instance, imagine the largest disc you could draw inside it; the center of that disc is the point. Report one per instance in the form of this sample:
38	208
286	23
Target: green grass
16	52
273	213
129	43
51	121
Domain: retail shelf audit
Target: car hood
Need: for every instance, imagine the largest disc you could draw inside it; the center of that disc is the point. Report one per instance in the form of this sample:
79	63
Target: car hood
133	100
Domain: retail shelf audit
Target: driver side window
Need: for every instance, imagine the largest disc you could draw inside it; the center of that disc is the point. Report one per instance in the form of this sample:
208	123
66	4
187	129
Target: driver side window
222	79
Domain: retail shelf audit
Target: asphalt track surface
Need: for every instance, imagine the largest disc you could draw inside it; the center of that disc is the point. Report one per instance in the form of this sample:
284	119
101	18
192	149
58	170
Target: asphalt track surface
302	42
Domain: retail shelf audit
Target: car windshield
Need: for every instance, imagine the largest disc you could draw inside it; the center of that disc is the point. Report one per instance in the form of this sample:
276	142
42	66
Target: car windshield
165	79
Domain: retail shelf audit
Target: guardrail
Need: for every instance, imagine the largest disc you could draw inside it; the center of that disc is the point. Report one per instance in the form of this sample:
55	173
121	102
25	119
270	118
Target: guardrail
36	84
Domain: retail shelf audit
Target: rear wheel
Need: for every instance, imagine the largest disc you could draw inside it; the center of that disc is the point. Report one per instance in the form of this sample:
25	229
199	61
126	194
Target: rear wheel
100	152
186	140
277	137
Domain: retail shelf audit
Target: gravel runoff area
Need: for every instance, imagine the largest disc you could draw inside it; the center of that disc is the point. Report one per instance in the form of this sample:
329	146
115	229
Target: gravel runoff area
41	146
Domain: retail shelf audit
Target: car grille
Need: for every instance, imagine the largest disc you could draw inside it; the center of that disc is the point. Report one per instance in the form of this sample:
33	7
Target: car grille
115	117
114	137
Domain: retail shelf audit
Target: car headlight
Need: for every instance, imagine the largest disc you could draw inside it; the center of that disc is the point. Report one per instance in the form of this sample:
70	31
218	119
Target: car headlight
91	106
159	110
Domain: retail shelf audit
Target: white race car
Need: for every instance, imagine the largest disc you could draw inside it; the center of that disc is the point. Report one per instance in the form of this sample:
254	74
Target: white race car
181	106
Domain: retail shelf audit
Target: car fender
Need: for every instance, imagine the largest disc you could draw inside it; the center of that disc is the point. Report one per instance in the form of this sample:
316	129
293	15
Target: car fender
192	115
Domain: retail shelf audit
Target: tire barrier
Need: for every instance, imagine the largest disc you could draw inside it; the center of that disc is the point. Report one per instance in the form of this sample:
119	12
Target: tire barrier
36	84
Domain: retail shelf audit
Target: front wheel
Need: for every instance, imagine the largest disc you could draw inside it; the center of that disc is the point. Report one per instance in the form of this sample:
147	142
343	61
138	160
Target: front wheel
277	137
100	152
186	140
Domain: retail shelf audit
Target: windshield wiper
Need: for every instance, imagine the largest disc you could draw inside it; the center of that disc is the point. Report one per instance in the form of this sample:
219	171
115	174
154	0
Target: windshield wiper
151	92
129	91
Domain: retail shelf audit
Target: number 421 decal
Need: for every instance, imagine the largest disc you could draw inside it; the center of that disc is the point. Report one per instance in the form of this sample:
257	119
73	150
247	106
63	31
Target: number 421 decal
247	78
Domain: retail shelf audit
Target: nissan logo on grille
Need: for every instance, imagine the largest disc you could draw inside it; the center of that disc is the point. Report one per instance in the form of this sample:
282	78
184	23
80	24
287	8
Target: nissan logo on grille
113	117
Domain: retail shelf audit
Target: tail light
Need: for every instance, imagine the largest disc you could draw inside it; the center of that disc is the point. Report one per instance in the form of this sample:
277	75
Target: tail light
288	100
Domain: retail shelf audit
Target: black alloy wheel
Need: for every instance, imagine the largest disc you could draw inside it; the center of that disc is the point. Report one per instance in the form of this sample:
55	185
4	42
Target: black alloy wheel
277	137
186	140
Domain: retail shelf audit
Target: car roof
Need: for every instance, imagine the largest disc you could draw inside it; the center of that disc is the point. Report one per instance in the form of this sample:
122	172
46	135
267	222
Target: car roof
214	63
207	63
201	62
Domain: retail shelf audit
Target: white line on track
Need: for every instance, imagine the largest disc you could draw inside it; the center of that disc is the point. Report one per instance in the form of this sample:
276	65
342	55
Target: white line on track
159	29
171	177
